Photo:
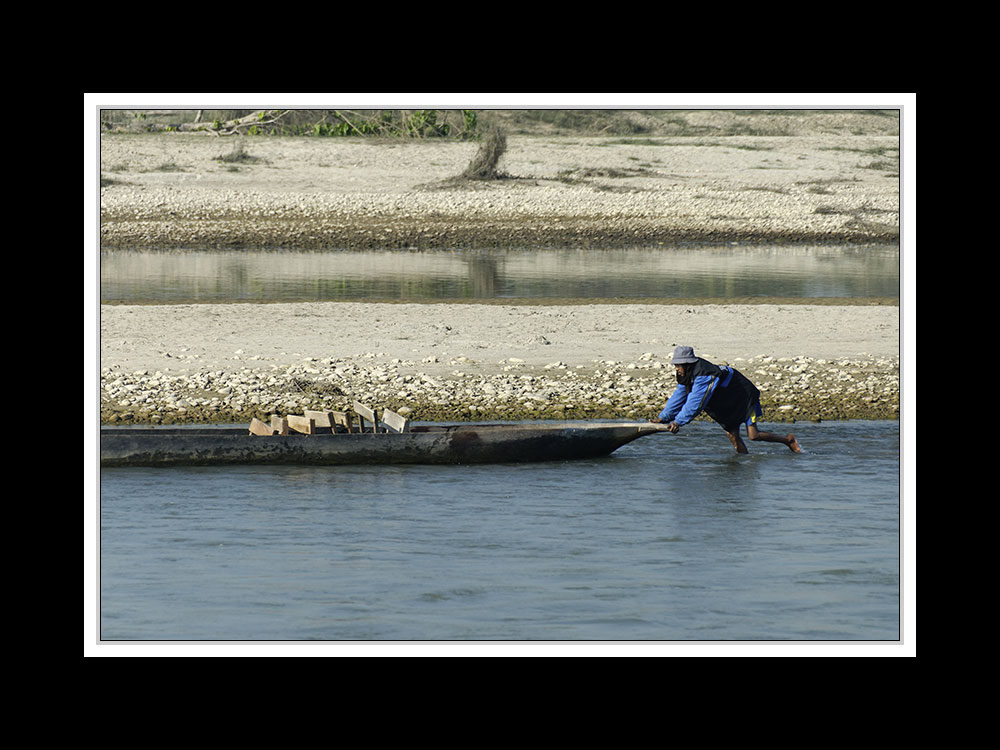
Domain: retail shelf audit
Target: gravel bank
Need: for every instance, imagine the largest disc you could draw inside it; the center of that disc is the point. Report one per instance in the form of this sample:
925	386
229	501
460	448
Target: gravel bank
229	363
172	190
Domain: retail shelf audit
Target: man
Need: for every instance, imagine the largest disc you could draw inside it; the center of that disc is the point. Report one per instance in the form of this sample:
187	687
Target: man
723	393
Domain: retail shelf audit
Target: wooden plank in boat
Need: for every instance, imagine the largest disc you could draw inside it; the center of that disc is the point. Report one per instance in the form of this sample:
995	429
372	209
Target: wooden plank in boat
301	424
260	428
394	421
322	418
342	420
364	413
279	425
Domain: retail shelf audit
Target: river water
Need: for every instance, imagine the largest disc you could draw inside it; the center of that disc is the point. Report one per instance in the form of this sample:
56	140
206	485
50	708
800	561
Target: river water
716	272
671	538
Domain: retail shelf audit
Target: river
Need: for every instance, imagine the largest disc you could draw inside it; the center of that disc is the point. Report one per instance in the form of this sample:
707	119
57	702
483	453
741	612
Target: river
672	539
717	272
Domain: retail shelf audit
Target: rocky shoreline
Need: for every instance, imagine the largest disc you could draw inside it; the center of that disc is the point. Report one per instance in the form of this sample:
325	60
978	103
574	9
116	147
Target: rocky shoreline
792	389
376	222
169	364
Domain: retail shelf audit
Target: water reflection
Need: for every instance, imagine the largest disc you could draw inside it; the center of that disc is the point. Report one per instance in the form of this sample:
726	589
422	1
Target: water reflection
691	272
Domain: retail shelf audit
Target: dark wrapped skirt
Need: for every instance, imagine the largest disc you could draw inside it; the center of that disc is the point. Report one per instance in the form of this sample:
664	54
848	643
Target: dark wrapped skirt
734	404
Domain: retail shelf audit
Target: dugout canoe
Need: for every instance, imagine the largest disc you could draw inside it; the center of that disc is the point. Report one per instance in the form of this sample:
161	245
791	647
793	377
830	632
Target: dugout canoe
433	444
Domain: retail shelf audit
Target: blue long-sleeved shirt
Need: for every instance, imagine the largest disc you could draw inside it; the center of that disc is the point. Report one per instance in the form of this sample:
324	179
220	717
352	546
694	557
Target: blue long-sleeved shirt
684	405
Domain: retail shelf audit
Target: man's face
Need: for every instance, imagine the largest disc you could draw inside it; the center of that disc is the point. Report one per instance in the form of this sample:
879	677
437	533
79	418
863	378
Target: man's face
680	369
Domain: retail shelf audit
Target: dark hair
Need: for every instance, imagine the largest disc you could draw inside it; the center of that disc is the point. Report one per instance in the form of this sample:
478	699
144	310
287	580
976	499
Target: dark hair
686	377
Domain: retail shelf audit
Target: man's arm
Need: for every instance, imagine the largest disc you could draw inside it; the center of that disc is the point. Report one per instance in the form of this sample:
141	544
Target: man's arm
674	404
701	390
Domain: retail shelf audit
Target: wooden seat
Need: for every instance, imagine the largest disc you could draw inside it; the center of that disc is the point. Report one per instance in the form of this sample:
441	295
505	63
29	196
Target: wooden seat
326	421
304	425
317	422
260	428
394	421
279	425
365	413
342	422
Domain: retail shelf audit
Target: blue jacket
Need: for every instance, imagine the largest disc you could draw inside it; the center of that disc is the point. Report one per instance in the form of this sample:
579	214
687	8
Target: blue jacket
722	392
684	405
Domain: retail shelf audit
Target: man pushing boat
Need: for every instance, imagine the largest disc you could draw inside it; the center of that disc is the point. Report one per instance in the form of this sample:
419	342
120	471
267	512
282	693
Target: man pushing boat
724	394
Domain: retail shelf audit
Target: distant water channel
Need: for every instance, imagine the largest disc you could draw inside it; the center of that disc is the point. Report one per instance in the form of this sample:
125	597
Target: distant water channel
713	272
671	538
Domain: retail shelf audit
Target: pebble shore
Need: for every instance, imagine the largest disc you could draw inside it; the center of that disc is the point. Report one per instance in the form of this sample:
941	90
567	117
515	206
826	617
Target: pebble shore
792	389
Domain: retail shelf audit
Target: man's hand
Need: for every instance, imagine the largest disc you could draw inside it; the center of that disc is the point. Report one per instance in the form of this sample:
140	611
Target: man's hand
673	427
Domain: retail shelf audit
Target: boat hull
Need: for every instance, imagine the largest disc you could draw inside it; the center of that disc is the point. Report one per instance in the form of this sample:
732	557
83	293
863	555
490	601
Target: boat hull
453	444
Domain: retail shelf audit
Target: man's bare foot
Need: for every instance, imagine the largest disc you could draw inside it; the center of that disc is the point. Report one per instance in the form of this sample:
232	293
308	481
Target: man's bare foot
793	444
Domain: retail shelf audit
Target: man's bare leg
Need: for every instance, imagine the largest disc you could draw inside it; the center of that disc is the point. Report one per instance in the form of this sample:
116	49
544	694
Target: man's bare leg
770	437
737	441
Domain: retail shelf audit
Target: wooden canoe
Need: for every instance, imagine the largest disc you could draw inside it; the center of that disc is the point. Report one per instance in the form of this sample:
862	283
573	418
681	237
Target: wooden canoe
433	444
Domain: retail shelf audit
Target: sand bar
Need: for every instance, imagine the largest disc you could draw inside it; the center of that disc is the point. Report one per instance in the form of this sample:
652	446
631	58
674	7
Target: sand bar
229	363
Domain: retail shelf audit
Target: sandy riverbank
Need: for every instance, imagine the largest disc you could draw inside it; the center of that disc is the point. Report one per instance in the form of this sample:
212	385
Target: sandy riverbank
228	363
821	182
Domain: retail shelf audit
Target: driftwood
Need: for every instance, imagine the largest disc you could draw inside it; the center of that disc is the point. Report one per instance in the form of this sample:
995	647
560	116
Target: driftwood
237	126
420	123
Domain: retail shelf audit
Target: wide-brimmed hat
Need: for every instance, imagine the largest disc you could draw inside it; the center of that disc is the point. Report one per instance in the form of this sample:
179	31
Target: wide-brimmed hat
684	355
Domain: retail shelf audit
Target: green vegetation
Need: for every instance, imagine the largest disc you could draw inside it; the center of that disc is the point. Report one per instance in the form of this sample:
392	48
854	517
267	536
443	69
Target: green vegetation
638	126
383	123
422	123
